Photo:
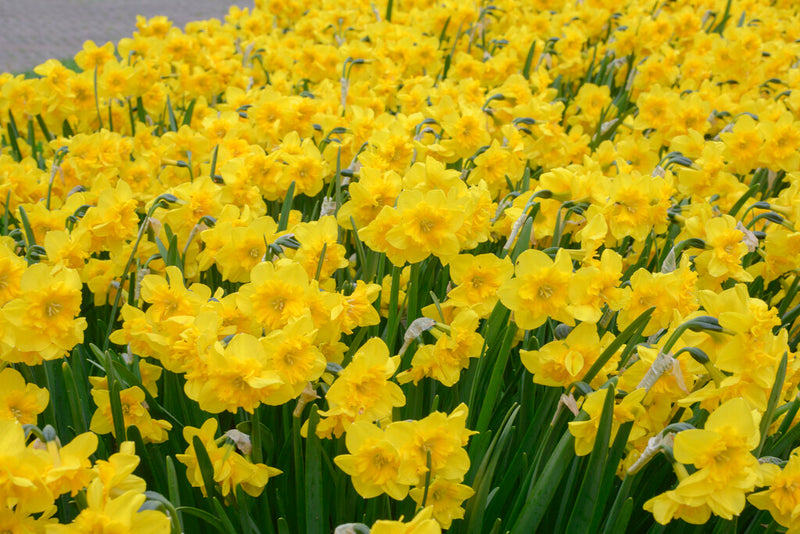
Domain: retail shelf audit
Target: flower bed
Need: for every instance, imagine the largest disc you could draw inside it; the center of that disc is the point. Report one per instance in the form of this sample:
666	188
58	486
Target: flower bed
498	267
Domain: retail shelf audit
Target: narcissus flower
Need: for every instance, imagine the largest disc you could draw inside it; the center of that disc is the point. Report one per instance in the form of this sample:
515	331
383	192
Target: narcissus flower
134	413
44	318
446	497
276	293
19	400
231	469
116	473
319	249
12	268
626	410
667	292
452	352
423	523
243	247
477	280
356	309
375	464
235	376
71	470
22	469
443	437
428	225
120	514
362	391
726	469
727	248
562	362
374	190
595	286
669	505
539	289
168	297
782	498
291	352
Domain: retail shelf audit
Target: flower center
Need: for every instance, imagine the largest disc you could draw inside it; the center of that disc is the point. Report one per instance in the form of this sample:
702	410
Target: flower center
426	225
52	309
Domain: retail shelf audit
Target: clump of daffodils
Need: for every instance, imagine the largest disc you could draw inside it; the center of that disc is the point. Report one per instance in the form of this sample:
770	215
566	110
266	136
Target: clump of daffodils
328	265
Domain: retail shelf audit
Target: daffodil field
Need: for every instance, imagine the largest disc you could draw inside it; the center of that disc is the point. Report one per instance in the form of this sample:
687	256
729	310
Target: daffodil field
407	267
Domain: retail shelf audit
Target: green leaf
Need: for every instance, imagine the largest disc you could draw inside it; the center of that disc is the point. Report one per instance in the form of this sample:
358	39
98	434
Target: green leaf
140	111
361	254
30	237
314	500
485	475
214	161
78	417
524	237
265	436
791	412
205	516
173	123
204	463
162	248
492	332
51	414
412	297
45	131
581	518
116	408
66	129
321	261
390	334
610	472
621	522
173	256
283	222
743	199
526	70
187	116
246	523
13	135
774	397
128	379
169	507
299	474
7	215
726	15
622	505
173	488
634	329
546	486
495	382
256	435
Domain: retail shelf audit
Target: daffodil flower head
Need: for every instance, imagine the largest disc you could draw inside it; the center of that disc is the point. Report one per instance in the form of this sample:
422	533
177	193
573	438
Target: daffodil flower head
539	289
19	400
231	469
363	390
375	464
726	469
422	523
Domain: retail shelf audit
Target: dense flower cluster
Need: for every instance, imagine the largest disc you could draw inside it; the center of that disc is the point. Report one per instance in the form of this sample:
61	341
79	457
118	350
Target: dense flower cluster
372	210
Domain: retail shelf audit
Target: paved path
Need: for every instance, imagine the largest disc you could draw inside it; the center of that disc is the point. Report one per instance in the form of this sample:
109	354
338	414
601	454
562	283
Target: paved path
33	31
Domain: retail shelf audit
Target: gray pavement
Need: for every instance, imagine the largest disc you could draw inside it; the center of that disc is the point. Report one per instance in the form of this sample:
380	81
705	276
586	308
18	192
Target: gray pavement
33	31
